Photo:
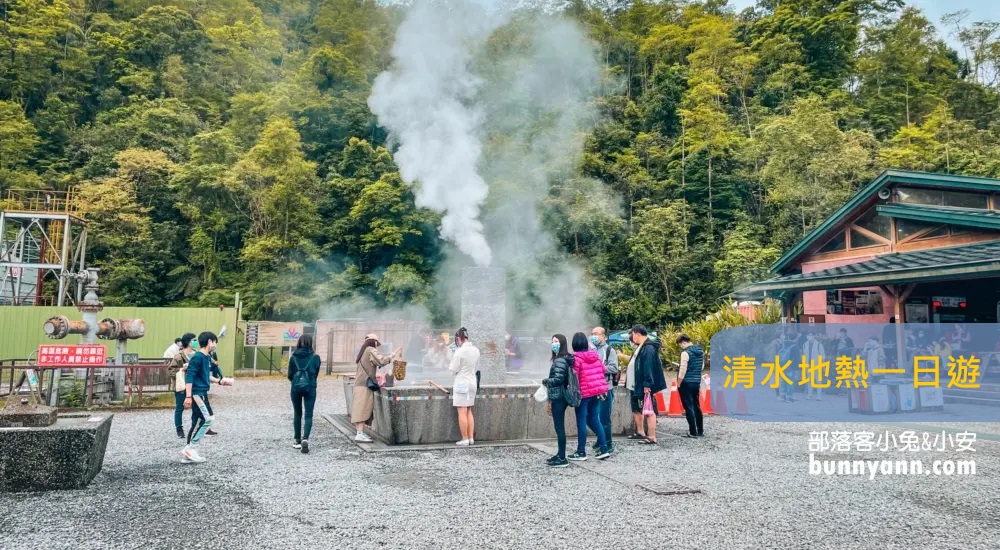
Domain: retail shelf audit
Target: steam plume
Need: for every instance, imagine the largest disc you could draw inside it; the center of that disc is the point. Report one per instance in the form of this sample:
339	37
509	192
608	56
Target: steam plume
426	104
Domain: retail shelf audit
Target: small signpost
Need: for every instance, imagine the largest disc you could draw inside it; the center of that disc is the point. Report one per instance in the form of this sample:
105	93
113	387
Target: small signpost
130	358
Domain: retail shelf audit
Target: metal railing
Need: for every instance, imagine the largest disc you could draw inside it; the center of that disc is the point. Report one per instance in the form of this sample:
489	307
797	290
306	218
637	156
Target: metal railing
40	200
147	377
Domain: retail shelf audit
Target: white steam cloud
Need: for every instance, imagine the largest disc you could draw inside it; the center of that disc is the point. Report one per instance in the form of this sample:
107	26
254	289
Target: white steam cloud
426	102
489	107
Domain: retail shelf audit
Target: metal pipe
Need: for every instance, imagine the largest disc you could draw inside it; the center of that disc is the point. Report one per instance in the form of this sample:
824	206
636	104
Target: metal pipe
60	326
121	329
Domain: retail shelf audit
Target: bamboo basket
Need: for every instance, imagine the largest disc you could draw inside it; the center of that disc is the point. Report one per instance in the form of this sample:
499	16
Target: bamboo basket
399	369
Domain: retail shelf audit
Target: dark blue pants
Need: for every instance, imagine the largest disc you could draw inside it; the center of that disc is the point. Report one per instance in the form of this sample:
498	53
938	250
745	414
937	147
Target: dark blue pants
559	418
606	406
300	398
179	409
589	414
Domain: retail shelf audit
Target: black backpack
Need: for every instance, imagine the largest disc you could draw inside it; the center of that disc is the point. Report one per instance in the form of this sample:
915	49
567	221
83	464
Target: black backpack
301	380
572	392
616	376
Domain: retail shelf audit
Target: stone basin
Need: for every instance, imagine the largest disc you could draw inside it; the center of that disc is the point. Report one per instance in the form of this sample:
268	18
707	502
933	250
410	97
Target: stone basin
412	414
65	455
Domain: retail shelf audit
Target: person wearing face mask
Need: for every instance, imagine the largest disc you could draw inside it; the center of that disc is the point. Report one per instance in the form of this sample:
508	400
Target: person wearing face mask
609	357
555	384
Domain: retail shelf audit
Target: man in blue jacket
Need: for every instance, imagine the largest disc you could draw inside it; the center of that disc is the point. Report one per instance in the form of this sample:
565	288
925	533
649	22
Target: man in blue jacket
199	380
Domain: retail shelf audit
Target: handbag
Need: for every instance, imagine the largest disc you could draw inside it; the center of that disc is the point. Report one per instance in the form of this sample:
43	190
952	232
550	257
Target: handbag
647	406
373	385
541	394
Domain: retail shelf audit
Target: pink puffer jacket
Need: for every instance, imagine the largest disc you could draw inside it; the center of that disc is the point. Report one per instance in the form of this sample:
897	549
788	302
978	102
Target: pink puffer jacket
590	370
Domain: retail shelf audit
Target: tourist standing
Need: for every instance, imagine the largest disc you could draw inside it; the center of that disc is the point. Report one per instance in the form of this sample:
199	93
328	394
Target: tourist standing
689	384
173	350
609	357
463	391
813	354
593	389
555	384
363	403
515	359
647	380
199	379
177	371
303	370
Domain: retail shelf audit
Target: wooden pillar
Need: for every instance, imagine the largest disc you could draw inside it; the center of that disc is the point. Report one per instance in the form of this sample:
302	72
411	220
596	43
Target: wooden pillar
899	295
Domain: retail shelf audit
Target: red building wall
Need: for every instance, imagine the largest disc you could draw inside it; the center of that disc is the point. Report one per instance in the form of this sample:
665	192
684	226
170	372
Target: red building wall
814	302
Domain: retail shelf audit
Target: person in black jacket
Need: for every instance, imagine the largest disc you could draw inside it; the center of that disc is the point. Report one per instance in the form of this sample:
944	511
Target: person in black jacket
647	379
303	358
562	362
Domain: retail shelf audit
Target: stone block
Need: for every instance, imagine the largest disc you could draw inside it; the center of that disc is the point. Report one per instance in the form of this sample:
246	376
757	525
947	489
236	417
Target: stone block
484	300
422	414
24	415
65	455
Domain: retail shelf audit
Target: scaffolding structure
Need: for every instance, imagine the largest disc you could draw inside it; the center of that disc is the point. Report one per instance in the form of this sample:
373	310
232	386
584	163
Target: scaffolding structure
43	242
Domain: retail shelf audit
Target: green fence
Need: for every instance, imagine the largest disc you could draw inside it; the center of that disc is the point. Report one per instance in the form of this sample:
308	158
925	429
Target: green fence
21	329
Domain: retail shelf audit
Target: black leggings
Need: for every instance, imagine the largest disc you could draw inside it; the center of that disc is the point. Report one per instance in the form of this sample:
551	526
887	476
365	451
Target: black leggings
308	398
201	417
689	393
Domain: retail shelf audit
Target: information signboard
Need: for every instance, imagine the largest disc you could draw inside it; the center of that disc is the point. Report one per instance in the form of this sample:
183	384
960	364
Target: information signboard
71	356
272	334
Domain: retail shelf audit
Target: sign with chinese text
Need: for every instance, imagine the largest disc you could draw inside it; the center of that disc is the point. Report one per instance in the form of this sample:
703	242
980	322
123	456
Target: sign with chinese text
812	372
71	356
271	334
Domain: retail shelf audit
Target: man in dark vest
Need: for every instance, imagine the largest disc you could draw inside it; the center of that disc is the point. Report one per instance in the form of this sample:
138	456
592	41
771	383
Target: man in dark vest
689	384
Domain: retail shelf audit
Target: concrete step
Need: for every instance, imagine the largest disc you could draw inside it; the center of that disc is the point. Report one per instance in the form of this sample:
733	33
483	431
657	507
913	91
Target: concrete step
979	394
971	401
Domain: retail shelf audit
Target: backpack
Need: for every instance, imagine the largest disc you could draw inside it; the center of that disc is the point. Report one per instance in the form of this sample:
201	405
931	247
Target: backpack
573	395
616	376
301	380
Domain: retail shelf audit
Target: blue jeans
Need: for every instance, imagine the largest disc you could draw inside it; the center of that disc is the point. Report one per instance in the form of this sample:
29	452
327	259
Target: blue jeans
606	406
179	409
300	398
588	414
559	418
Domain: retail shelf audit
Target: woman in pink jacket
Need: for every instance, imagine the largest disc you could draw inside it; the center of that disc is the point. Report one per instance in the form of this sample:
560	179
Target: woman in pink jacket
593	386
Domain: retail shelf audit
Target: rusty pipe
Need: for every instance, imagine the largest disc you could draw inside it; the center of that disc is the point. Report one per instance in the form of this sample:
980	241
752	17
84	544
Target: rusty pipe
60	326
121	329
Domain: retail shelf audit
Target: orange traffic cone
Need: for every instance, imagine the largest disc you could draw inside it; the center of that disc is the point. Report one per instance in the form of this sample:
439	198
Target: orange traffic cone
675	408
706	396
661	405
741	402
706	402
720	404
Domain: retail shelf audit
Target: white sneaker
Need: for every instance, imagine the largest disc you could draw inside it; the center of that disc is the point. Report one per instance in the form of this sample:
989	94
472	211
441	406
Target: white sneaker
363	438
463	443
472	442
297	446
191	455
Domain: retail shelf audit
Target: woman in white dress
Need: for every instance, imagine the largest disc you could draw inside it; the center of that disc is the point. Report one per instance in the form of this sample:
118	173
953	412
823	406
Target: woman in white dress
463	391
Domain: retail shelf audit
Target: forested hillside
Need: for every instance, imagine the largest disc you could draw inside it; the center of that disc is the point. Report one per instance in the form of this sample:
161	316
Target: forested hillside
226	145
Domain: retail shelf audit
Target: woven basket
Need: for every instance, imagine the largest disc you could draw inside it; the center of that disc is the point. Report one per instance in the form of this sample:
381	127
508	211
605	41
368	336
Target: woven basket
399	369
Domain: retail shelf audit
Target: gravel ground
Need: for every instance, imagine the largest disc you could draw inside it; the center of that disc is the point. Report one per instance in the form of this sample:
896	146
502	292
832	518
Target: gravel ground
257	492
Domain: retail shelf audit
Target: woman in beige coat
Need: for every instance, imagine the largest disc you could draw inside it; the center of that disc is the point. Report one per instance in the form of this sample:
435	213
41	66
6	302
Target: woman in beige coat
363	404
